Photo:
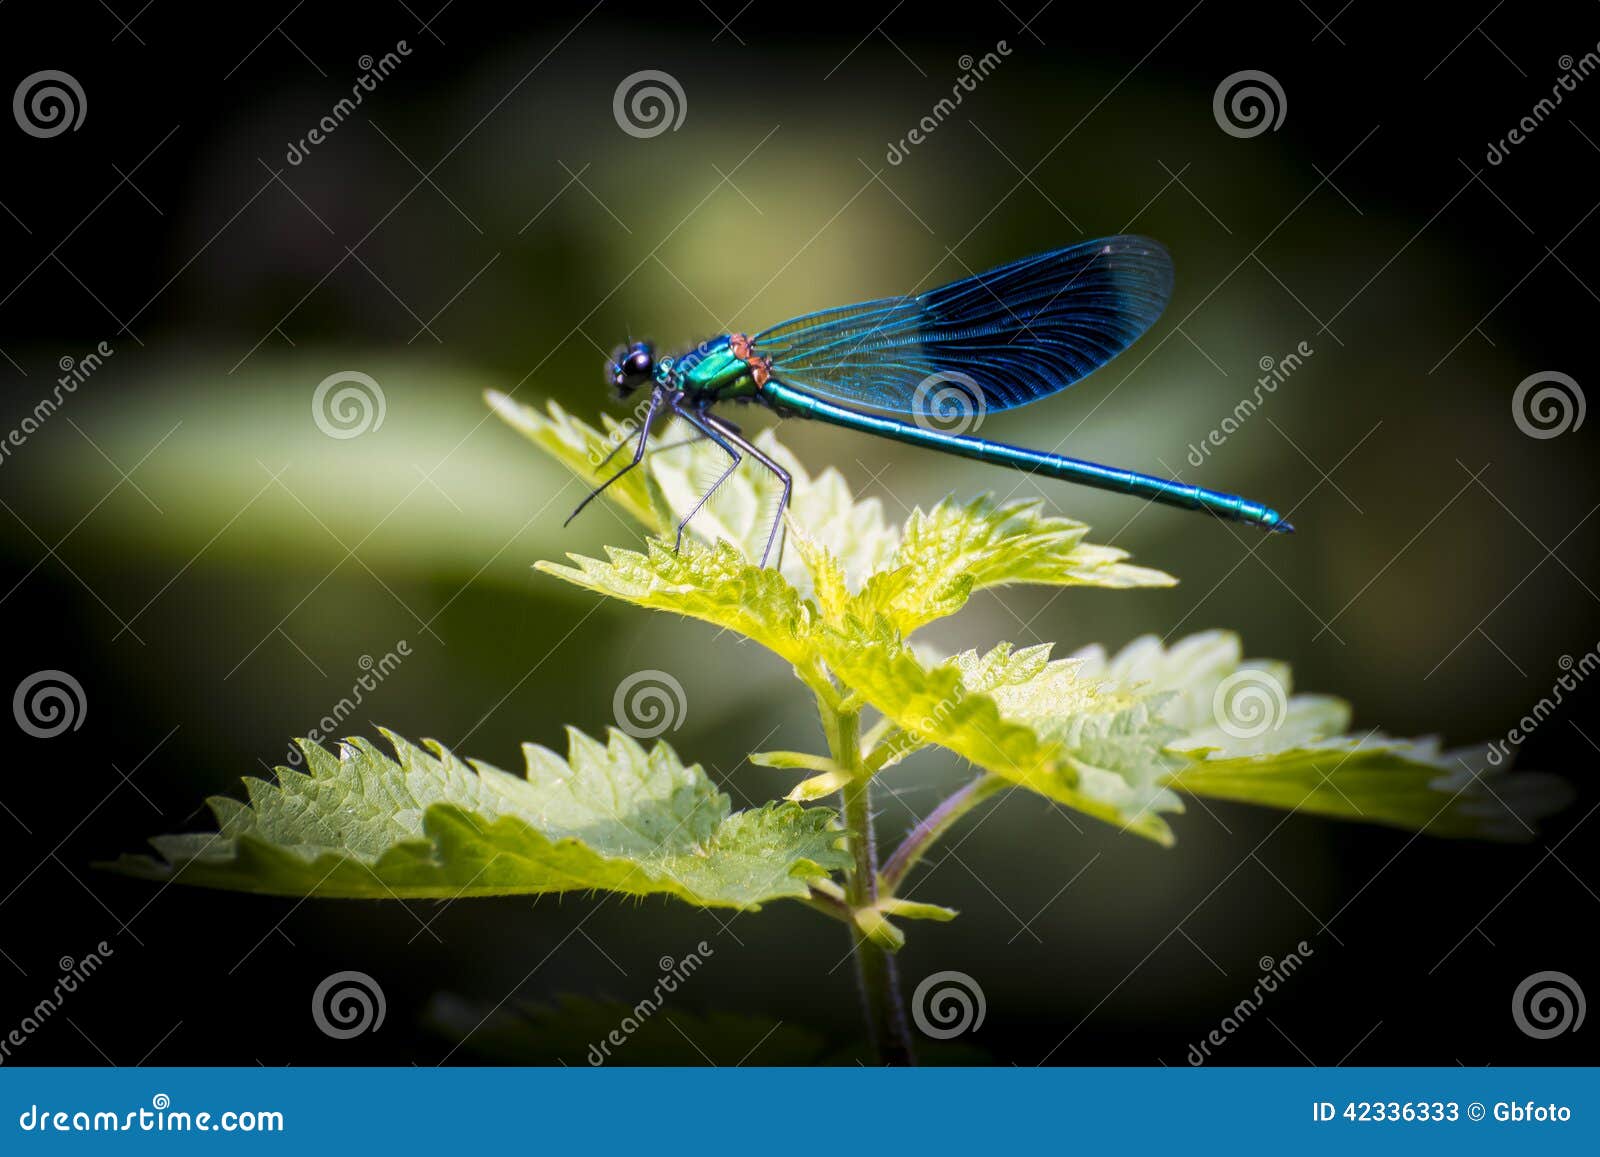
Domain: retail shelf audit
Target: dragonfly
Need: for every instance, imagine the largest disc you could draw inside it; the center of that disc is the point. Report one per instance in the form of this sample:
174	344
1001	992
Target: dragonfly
944	358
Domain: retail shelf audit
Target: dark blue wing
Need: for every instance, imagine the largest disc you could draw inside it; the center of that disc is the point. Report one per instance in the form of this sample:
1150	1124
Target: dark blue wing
1019	333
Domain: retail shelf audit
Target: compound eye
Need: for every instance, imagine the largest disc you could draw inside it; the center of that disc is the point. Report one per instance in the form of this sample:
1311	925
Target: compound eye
639	363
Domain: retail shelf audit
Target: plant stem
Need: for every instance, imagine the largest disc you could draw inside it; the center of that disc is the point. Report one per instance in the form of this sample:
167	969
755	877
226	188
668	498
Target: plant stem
875	966
934	825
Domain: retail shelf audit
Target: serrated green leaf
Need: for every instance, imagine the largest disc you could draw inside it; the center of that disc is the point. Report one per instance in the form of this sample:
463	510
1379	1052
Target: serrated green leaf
714	584
422	823
1245	736
1386	781
1022	718
933	704
1115	741
957	548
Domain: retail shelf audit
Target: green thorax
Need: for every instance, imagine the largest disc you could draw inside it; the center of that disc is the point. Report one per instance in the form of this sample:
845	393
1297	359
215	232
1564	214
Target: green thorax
712	372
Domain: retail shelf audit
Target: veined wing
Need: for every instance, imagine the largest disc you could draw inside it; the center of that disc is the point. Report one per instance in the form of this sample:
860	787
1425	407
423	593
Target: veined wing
1016	333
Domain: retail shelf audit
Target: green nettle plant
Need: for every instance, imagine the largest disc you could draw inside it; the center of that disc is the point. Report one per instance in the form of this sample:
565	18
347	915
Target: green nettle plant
1123	738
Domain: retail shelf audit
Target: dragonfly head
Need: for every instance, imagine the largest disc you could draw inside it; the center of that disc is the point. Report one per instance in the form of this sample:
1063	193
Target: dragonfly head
631	366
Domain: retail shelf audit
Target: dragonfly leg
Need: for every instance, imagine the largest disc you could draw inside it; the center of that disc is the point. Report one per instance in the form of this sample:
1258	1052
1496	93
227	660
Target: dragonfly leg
638	456
703	423
731	432
617	449
678	445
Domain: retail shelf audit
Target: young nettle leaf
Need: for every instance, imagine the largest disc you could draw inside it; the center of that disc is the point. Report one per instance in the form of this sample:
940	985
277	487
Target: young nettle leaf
1030	721
424	823
1246	737
1115	740
714	584
956	548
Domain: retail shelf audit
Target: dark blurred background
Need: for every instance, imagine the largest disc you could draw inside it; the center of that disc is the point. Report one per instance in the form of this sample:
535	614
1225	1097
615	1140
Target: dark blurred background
182	538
